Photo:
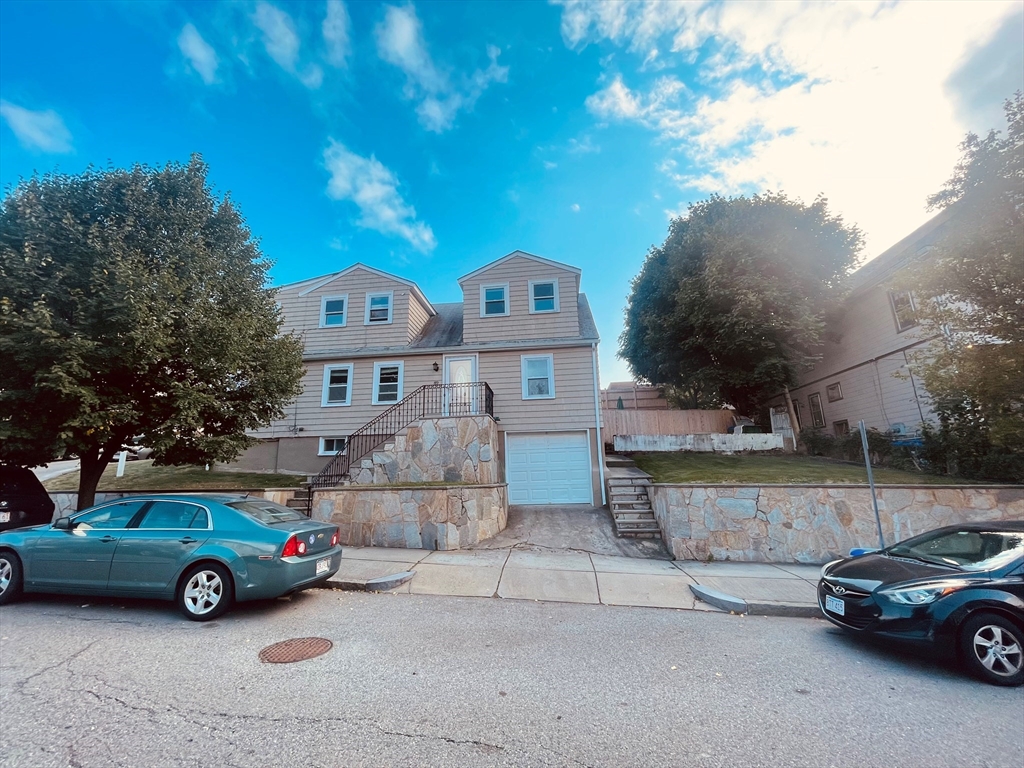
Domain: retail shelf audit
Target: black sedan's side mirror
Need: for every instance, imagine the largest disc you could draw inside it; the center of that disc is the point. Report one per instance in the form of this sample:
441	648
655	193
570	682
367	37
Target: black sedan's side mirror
62	523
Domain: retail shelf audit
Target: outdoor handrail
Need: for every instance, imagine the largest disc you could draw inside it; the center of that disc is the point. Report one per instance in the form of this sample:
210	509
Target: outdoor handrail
470	399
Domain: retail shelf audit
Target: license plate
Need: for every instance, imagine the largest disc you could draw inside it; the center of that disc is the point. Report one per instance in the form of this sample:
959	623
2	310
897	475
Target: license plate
5	517
833	604
322	566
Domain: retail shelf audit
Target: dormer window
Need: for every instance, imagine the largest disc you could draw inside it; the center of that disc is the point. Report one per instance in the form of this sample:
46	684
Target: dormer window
543	296
494	300
378	308
333	311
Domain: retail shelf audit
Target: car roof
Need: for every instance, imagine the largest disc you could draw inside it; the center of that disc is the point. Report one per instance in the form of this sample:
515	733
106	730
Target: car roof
992	525
221	498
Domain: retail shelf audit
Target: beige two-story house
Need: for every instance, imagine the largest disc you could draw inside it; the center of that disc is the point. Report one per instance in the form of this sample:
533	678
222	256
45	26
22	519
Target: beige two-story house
523	331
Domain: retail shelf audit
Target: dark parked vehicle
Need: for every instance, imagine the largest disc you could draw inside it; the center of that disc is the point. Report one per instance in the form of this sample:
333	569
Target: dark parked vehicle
956	591
202	551
23	500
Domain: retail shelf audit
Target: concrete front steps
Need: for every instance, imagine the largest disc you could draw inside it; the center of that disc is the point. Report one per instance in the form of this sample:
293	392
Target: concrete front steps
630	504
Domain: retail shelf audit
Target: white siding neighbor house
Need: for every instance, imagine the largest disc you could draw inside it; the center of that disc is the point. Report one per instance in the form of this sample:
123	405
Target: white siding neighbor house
865	371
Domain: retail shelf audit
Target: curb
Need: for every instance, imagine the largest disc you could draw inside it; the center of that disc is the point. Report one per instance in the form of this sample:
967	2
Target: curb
380	584
738	605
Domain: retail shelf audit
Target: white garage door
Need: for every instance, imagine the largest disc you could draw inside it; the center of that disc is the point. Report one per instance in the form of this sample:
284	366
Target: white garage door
552	468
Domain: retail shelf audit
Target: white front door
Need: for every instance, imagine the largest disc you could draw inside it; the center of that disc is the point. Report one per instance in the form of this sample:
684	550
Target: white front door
461	399
549	468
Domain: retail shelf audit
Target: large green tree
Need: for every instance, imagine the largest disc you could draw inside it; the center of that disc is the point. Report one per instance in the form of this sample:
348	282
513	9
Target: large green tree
134	303
733	305
969	291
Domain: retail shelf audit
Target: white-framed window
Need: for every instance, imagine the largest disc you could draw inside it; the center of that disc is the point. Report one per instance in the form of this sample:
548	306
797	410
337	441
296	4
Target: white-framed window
337	385
834	392
332	446
334	311
379	308
817	415
538	373
904	310
543	296
494	300
388	379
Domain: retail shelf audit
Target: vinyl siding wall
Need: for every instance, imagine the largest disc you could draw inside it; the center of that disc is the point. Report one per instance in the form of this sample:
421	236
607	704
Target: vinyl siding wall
302	314
519	323
865	363
571	408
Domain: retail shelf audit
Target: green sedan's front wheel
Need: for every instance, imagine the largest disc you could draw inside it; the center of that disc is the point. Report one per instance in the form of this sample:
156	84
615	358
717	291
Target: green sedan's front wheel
10	577
205	592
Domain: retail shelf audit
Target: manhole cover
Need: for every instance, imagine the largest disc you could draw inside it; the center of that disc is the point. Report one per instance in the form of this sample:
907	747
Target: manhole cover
299	649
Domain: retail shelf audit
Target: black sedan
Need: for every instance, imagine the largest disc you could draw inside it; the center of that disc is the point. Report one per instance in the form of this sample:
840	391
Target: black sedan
956	591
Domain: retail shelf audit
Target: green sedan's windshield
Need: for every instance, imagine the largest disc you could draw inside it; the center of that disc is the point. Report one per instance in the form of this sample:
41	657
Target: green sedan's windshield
967	550
266	511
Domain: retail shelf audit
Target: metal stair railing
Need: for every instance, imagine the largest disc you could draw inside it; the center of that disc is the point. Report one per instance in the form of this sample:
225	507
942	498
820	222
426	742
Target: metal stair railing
445	400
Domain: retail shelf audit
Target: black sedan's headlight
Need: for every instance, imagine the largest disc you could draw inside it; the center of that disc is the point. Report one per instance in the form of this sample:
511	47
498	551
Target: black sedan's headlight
928	592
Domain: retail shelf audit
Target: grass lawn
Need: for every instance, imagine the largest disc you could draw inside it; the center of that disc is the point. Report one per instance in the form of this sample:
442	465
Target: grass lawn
682	467
143	476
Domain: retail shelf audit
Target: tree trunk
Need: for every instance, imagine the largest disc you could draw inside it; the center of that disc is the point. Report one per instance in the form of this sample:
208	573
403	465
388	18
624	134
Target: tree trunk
94	461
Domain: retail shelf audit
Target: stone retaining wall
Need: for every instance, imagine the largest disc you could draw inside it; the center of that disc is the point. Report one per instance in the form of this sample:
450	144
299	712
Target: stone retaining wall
434	517
814	524
701	443
453	450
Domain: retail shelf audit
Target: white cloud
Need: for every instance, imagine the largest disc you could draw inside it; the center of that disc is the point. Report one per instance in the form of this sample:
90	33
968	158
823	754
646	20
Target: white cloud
583	146
282	43
845	99
550	165
336	30
575	207
441	96
200	54
374	189
44	131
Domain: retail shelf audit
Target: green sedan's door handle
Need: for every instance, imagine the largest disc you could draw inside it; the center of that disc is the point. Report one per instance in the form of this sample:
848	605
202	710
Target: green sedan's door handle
108	538
188	540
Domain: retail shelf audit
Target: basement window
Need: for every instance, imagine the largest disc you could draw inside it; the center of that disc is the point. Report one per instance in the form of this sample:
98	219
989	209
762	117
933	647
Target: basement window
332	446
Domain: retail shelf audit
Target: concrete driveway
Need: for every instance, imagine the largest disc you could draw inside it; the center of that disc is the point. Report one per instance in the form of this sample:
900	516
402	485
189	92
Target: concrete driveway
573	527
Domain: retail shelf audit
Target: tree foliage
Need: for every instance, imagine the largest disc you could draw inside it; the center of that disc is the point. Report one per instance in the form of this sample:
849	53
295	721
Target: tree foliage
133	303
970	294
733	305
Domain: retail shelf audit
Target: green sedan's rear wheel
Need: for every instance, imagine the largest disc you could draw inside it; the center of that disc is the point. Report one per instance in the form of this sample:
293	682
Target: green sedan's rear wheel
205	592
993	649
10	577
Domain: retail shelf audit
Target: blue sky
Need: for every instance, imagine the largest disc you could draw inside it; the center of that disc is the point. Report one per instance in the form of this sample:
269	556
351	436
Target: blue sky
427	138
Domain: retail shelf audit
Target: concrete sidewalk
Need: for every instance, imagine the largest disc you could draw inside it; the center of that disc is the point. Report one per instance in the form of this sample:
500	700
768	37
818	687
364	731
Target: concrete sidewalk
581	577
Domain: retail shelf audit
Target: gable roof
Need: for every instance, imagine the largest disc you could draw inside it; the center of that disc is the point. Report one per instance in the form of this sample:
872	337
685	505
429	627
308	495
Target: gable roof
897	256
327	279
522	255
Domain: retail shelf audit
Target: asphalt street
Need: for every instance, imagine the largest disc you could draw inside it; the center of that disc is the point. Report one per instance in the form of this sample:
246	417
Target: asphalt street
444	681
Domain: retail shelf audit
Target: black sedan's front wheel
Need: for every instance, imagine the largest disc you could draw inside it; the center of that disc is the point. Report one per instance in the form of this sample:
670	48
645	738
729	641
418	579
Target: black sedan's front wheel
10	577
993	649
205	592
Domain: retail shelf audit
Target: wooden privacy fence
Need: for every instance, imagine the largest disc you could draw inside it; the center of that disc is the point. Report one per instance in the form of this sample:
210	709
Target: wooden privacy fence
669	422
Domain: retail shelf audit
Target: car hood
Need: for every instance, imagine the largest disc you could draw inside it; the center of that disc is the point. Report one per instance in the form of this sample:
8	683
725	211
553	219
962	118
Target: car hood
871	571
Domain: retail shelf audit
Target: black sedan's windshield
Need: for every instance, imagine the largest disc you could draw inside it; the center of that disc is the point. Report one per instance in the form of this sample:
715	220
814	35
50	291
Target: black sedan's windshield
967	550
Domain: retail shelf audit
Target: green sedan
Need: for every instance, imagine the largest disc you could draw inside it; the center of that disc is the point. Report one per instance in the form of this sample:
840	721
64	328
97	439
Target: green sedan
202	551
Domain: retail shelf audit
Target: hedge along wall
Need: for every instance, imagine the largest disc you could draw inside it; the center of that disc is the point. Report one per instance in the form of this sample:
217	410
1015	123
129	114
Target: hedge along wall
814	524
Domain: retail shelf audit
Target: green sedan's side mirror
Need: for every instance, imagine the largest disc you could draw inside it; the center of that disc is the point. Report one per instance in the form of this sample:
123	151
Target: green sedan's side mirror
62	523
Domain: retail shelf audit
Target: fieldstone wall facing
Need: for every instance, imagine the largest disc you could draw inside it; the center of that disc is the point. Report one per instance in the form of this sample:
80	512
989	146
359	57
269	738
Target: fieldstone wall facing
436	517
814	524
453	450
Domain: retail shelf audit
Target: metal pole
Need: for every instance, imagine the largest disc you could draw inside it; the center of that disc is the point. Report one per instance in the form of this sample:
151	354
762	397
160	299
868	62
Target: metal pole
871	480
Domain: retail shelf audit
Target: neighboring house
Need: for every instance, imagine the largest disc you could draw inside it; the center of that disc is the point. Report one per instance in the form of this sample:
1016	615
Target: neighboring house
372	339
865	370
